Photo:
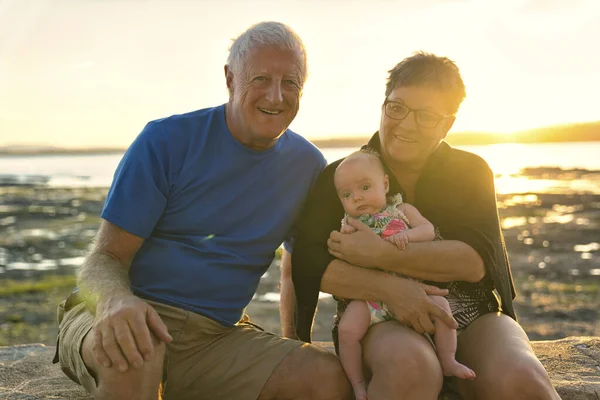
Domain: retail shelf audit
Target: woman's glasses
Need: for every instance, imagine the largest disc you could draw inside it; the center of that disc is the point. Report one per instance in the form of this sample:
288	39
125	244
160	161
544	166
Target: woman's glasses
424	118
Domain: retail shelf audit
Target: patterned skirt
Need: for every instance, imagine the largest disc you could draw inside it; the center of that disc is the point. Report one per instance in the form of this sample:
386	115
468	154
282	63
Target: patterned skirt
468	301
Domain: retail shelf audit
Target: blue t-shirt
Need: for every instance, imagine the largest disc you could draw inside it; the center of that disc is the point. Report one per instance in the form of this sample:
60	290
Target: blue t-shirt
211	210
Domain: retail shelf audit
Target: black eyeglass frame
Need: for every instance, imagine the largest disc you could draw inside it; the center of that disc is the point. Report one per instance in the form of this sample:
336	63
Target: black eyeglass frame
388	101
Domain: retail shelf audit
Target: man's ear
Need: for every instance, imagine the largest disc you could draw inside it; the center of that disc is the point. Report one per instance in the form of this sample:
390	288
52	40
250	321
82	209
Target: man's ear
228	78
447	125
386	183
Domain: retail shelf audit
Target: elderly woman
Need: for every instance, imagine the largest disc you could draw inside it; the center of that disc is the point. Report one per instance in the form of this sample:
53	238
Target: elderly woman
455	191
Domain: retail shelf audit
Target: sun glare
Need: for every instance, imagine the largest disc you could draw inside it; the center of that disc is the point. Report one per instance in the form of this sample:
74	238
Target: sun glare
107	85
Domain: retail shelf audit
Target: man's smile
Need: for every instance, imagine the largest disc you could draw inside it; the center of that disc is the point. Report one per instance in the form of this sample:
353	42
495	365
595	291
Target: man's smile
270	112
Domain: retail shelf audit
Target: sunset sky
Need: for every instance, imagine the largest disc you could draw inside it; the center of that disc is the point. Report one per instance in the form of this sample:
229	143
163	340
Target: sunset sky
80	73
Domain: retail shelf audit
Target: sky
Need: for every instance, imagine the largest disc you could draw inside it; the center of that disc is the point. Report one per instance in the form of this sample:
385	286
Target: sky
90	73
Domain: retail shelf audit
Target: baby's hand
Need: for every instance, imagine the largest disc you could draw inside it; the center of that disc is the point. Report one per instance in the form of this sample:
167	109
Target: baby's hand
347	228
400	240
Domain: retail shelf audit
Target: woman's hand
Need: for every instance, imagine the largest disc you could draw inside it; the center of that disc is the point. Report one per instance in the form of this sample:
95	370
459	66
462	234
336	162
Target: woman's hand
409	302
358	248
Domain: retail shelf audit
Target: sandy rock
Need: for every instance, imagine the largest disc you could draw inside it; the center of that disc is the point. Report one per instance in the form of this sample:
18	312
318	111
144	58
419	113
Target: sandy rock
26	371
573	364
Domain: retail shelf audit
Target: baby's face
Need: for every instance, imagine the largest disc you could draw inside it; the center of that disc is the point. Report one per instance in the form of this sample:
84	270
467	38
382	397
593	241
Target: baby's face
361	185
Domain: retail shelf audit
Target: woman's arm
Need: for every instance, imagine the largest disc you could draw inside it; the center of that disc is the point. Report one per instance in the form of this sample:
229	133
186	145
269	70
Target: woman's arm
467	218
440	261
287	297
407	299
322	214
315	269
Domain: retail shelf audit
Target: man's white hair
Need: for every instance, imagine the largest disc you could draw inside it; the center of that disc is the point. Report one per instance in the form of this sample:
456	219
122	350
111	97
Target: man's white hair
267	34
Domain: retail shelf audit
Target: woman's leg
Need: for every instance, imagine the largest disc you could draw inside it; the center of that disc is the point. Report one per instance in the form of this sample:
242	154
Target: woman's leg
353	326
402	363
445	343
498	350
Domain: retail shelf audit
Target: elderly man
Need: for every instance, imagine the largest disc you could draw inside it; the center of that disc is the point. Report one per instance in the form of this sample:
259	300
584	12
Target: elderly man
198	206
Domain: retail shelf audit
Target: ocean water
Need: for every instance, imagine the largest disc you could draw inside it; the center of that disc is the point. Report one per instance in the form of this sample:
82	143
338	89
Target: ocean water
508	161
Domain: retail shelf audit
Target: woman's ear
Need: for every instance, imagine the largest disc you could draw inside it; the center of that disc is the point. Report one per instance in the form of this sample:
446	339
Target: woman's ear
386	183
447	125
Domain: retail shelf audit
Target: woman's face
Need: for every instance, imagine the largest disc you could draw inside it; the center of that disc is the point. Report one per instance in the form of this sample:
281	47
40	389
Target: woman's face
406	142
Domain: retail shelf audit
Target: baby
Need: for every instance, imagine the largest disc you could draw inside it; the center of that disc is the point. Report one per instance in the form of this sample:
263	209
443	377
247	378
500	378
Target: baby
362	186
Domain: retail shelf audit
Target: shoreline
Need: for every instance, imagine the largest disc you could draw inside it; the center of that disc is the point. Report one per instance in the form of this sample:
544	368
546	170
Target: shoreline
552	239
453	139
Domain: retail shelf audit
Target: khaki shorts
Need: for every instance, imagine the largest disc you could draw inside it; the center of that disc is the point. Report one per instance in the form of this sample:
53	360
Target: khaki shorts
205	360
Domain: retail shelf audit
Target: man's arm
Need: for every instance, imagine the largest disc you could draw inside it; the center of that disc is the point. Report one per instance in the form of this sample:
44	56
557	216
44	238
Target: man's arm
134	204
407	299
122	321
440	261
287	297
104	270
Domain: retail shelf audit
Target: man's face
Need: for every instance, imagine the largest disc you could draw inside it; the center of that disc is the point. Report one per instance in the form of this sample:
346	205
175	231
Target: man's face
264	97
404	141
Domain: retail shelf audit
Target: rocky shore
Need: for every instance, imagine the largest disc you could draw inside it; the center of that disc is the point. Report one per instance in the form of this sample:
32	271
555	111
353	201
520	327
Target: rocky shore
553	241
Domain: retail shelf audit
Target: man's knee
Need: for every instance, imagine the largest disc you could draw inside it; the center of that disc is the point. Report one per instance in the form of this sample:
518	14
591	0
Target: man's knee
324	371
135	383
308	372
329	368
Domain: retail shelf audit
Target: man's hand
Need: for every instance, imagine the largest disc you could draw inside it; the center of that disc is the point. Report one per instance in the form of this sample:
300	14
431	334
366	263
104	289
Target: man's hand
409	302
400	240
358	248
122	332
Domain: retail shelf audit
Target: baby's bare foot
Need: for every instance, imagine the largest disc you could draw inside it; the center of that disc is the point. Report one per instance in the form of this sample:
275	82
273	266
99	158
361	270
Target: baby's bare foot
360	391
454	368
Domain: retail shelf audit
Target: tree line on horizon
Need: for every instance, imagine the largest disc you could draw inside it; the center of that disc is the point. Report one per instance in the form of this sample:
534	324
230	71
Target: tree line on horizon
578	132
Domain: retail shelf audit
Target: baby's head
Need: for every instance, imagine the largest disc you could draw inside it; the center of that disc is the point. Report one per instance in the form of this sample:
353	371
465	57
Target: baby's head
361	183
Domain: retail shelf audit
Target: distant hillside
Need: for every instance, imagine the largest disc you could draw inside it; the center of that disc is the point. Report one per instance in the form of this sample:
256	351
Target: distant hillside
341	142
48	150
581	132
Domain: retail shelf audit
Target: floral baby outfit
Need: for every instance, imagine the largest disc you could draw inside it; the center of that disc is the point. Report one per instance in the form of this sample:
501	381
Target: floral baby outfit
385	223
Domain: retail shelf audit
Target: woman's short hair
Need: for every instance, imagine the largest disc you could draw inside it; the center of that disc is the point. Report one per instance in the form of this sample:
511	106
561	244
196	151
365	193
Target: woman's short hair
427	69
